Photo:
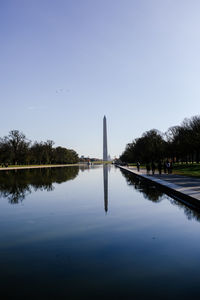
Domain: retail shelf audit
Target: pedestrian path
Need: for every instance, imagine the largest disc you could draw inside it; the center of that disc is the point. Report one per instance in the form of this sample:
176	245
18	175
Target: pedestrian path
185	187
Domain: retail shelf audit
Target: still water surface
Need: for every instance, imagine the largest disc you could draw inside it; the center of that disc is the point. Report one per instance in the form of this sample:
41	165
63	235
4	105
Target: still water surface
97	233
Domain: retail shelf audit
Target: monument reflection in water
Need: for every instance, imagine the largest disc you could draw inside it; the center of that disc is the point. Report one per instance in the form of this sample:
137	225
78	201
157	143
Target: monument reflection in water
105	186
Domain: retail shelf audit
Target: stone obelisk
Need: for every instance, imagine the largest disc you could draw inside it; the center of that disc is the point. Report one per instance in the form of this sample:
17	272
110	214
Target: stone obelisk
105	150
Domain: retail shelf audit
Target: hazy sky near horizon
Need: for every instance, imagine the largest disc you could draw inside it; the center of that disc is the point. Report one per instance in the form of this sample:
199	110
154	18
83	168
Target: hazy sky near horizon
66	63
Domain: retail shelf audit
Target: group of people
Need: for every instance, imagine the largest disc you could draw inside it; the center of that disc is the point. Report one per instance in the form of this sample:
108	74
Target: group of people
165	166
4	165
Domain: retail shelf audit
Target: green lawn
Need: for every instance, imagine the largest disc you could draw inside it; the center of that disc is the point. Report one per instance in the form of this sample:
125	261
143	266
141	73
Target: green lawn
182	169
21	166
135	165
187	169
18	166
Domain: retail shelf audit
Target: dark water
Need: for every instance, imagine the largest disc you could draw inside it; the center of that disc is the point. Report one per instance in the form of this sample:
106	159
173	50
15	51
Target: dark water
71	233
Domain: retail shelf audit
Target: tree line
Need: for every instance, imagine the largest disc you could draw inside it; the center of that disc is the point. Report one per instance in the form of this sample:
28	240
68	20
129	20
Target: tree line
178	144
16	149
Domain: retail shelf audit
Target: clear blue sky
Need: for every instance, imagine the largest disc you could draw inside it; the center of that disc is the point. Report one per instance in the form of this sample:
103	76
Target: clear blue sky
66	63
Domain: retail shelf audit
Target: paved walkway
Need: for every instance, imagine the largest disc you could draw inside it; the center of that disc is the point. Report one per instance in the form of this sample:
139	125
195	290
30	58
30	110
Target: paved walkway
182	186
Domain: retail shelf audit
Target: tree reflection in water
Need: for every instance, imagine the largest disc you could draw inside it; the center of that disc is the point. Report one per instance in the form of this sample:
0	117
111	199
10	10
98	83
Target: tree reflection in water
17	184
191	213
155	194
149	191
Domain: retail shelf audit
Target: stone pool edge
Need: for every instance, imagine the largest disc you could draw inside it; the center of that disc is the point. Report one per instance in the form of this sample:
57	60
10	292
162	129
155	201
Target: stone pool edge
185	196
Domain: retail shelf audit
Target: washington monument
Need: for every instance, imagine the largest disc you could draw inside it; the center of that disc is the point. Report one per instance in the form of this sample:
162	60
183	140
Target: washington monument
105	150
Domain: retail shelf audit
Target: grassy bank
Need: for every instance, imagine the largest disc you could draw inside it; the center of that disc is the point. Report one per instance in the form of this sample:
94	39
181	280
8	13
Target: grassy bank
192	170
187	169
49	166
35	166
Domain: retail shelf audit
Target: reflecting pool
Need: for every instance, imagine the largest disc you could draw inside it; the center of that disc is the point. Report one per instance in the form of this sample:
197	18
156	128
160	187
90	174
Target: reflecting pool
94	233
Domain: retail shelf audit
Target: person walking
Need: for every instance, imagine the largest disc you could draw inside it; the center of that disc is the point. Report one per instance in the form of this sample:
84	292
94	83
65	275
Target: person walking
138	166
160	167
148	168
153	167
165	167
168	167
171	167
